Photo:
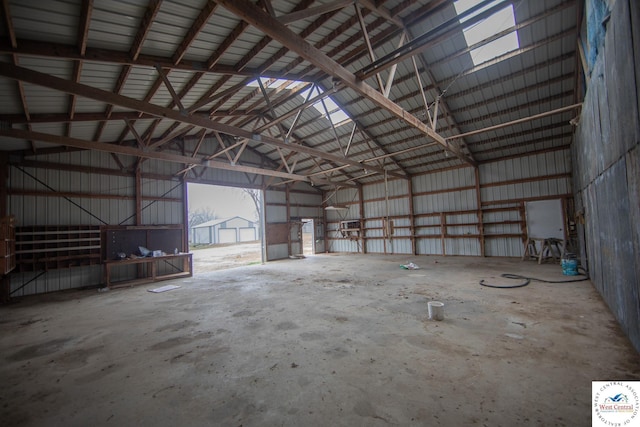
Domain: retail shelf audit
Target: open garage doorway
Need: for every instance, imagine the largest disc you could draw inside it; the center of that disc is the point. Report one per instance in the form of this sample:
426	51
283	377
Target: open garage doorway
224	226
308	237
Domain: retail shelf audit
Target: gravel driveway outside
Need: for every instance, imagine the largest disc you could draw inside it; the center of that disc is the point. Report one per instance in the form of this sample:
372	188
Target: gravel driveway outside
230	255
221	257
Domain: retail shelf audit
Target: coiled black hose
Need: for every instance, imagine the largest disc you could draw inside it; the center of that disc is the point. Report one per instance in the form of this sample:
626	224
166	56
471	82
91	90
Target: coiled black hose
528	280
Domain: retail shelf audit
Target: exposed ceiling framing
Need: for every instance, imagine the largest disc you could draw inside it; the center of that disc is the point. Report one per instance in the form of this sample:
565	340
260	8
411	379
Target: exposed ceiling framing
173	82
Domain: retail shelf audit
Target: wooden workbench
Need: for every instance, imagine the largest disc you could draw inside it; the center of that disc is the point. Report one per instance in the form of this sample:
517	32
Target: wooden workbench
151	270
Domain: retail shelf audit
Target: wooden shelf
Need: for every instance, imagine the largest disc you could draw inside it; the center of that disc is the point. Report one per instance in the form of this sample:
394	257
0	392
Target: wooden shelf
7	245
50	247
350	229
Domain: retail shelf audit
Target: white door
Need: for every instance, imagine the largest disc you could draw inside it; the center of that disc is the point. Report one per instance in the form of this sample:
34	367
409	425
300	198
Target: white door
227	235
247	234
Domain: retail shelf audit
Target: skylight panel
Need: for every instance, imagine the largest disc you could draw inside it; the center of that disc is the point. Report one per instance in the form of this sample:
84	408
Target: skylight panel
499	21
273	83
338	117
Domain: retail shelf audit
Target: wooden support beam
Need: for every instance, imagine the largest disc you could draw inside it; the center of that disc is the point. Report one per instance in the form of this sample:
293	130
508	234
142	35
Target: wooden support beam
313	11
519	26
41	79
515	122
136	152
479	213
309	101
443	232
194	30
172	92
392	72
583	62
80	195
381	11
185	214
424	41
83	27
170	137
4	177
412	219
288	216
270	26
62	51
138	194
136	135
362	237
367	40
144	28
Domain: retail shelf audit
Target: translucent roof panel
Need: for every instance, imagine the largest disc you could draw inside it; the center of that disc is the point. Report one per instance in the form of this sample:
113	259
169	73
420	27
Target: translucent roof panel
487	28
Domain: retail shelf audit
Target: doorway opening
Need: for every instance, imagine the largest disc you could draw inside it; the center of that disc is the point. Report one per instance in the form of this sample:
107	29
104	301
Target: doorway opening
224	226
308	236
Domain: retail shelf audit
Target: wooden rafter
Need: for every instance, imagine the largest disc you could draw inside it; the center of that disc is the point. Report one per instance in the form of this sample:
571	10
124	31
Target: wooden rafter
349	51
134	132
426	40
145	26
101	55
282	117
194	30
136	152
518	121
465	92
83	36
382	23
170	89
196	77
6	12
259	19
170	137
365	36
313	11
86	9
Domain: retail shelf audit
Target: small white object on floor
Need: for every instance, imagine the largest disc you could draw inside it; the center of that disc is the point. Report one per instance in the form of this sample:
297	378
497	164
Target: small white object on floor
164	288
436	310
410	266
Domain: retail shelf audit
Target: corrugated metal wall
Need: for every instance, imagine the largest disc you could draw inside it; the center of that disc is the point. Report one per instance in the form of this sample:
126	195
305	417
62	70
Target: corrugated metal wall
606	152
223	176
285	208
446	217
347	197
86	193
508	183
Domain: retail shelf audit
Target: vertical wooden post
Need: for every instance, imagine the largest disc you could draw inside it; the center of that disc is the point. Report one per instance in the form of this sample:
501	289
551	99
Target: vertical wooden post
480	217
5	283
384	234
138	177
138	194
4	175
523	225
288	220
363	241
324	218
443	231
412	226
185	216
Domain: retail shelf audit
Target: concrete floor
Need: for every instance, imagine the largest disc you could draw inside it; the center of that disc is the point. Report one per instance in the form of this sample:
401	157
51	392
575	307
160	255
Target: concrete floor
330	340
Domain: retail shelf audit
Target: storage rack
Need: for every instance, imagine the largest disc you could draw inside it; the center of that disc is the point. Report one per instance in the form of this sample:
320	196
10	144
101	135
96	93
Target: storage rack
43	247
7	245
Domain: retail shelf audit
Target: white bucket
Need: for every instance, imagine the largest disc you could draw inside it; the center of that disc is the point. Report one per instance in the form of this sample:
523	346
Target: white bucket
436	310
